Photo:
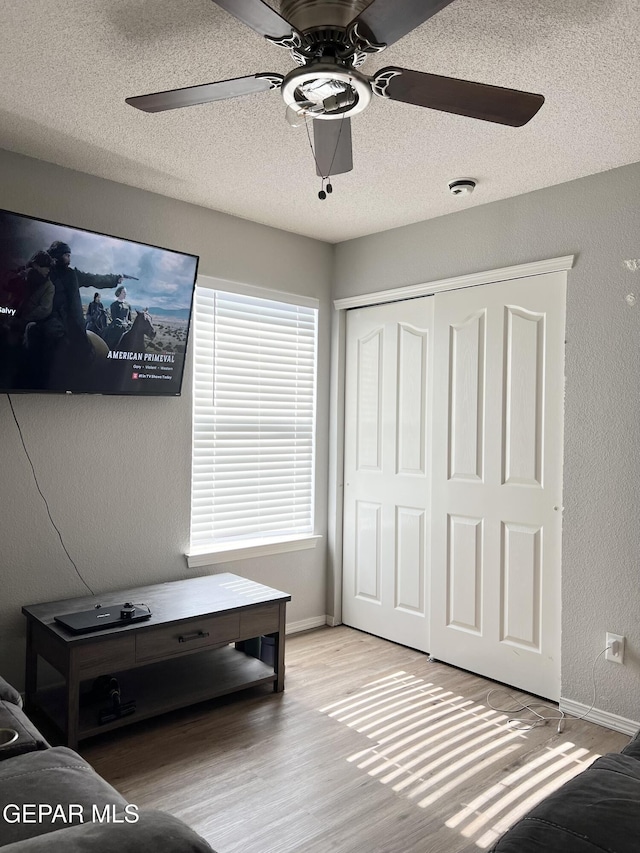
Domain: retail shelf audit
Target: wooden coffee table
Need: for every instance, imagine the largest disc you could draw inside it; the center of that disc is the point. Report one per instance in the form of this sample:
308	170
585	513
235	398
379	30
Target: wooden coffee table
190	650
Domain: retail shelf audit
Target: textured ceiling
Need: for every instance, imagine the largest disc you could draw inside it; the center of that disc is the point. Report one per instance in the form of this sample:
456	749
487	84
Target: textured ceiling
66	68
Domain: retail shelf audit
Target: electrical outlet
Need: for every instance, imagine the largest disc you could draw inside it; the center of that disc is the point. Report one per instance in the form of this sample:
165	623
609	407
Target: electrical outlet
615	654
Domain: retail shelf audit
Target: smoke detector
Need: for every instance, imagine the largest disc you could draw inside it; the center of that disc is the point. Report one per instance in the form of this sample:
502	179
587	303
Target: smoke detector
462	186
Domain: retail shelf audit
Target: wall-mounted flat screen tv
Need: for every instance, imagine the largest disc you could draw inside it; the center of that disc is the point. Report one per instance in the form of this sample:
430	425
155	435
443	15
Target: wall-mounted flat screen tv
87	313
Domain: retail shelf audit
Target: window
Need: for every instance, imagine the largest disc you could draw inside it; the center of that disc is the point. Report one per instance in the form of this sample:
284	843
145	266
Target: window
253	420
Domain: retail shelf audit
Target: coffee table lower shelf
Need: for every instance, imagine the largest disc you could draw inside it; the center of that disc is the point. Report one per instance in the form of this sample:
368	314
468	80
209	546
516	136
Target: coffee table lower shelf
161	687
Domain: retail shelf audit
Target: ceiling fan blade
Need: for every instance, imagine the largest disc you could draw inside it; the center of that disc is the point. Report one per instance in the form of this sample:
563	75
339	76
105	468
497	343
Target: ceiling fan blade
462	97
259	16
193	95
390	20
332	146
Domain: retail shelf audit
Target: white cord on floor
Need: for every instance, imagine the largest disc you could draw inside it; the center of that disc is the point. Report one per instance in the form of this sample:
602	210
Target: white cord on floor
526	724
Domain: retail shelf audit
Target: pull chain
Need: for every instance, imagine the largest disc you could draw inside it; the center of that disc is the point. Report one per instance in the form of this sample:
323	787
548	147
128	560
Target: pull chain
329	189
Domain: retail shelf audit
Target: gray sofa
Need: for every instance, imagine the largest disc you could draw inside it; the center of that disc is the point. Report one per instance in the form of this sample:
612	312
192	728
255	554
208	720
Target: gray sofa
51	799
595	812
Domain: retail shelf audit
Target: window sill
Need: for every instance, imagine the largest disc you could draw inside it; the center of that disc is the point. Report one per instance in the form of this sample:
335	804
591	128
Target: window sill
251	548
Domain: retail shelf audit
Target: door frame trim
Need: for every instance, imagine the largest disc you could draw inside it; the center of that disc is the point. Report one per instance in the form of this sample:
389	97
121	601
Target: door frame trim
337	383
459	281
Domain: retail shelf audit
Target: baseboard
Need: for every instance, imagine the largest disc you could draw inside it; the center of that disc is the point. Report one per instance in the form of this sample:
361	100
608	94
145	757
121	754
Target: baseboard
333	621
306	624
600	718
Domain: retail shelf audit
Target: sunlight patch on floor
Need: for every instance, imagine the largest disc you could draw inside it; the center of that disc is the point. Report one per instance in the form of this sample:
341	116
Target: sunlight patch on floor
428	742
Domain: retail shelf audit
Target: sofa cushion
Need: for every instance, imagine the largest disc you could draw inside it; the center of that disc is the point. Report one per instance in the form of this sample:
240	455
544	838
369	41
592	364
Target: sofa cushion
9	693
29	738
599	810
51	777
154	830
633	747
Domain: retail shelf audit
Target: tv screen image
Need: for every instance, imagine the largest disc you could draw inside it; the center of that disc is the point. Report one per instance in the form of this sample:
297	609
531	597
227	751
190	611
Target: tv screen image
88	313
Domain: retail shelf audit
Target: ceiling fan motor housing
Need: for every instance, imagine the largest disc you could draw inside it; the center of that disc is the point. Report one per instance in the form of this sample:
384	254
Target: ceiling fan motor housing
307	14
329	52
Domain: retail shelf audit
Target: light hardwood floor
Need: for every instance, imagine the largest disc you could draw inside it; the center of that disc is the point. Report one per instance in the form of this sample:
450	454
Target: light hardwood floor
372	748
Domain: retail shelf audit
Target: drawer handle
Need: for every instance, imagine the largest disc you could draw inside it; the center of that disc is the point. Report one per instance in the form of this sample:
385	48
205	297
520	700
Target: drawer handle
198	635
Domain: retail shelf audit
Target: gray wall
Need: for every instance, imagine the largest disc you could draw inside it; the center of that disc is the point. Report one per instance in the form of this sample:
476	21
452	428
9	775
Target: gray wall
130	525
116	471
598	220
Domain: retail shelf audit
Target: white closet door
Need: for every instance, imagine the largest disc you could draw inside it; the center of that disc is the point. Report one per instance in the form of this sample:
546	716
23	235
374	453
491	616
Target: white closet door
497	480
387	478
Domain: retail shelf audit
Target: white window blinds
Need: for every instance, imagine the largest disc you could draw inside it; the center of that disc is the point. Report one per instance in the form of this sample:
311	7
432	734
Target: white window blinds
254	419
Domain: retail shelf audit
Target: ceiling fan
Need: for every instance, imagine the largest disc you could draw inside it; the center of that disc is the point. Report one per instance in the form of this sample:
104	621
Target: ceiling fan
329	40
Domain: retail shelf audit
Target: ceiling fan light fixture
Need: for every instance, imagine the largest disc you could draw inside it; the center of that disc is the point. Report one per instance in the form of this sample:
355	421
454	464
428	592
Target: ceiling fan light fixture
343	92
296	115
295	118
340	101
318	91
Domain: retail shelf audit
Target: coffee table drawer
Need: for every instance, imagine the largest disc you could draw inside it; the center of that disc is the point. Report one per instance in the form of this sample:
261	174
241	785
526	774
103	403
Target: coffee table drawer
183	637
106	656
259	620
